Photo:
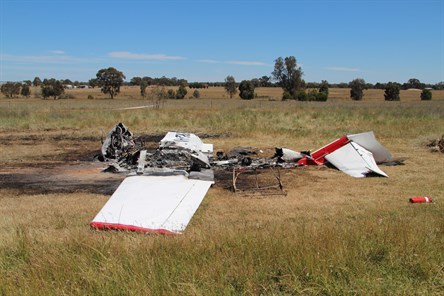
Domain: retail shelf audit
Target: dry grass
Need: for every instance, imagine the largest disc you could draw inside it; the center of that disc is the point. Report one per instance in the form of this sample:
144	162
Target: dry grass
268	93
331	235
264	93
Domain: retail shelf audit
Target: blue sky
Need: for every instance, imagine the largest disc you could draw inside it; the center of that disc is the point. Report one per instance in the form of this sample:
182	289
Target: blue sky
336	40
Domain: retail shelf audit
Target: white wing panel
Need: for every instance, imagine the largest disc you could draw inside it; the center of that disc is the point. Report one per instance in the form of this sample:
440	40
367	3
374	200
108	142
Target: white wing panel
152	203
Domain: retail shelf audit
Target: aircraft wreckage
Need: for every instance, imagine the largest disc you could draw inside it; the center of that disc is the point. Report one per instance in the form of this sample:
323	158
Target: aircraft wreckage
165	186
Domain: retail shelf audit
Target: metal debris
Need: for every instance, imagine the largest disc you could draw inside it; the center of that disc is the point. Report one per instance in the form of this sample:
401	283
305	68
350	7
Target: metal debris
181	153
178	153
287	155
254	181
118	144
186	154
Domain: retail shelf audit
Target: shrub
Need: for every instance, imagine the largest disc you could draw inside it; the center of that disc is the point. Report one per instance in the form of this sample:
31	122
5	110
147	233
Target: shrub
426	95
302	95
246	89
171	94
321	97
181	92
313	95
196	94
287	96
391	92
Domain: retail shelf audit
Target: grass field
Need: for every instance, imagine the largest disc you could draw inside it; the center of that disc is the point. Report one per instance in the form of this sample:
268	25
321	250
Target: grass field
330	235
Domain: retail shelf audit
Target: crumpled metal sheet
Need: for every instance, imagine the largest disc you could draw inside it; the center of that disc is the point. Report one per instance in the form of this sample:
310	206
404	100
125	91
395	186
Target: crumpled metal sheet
118	143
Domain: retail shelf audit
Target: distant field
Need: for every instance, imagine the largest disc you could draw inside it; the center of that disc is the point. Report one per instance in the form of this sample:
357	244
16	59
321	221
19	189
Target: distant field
330	235
267	93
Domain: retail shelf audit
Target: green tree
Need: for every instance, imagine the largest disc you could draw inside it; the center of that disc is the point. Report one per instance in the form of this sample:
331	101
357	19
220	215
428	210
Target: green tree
246	89
67	81
230	85
147	80
110	80
52	88
26	91
357	89
413	83
92	82
256	82
288	75
324	87
379	85
264	81
426	95
37	81
183	82
136	80
11	89
143	86
391	92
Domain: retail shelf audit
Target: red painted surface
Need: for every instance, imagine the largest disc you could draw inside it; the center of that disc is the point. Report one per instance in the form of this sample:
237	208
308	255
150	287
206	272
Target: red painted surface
420	199
116	226
318	157
307	160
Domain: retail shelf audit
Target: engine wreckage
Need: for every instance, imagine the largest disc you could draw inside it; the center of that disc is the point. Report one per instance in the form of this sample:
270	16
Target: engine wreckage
165	185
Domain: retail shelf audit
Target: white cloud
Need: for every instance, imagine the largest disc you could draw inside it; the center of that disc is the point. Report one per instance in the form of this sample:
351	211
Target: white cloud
57	51
210	61
142	56
343	69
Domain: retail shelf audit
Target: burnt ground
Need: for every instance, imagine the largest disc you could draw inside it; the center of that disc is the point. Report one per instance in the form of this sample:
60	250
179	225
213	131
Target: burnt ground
69	165
78	172
81	177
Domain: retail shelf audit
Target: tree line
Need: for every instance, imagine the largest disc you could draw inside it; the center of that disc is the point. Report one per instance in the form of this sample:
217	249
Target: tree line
287	74
391	89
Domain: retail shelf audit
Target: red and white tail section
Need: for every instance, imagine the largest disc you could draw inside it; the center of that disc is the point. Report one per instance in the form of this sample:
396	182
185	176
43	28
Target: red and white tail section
356	155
